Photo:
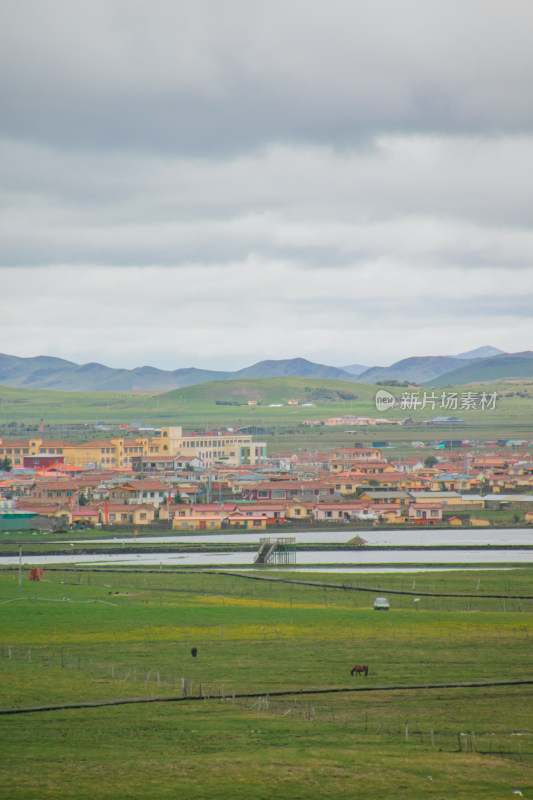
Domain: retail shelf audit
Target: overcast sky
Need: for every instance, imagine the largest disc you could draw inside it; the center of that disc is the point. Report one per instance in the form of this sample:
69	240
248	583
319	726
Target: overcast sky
210	183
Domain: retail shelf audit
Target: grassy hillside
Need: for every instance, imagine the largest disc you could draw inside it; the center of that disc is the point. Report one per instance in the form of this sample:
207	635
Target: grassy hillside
320	391
33	404
198	407
487	369
194	401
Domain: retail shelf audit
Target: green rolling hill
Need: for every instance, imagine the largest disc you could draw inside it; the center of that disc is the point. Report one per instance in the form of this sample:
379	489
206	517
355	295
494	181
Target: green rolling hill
225	404
206	399
519	365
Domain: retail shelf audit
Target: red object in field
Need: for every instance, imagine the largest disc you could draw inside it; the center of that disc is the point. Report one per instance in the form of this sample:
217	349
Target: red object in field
36	574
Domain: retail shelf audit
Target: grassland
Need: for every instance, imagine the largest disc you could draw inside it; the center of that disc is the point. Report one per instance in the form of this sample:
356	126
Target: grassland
66	414
100	635
198	404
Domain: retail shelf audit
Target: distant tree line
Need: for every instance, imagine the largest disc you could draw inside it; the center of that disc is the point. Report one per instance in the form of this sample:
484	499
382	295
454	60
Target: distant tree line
393	382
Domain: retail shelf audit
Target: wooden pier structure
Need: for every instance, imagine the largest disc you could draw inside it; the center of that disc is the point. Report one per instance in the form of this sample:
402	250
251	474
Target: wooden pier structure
280	551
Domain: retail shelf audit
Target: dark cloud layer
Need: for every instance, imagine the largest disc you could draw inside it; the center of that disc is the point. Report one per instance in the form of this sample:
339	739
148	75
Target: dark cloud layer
211	77
265	180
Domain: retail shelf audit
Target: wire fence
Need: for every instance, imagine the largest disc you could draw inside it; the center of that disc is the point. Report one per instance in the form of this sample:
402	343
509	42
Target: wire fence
304	705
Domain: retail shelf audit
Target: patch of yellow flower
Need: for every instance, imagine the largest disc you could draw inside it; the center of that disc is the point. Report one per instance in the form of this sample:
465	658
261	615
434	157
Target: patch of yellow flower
248	602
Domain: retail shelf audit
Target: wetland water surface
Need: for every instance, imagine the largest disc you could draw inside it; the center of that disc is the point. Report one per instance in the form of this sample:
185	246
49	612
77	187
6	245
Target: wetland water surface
353	559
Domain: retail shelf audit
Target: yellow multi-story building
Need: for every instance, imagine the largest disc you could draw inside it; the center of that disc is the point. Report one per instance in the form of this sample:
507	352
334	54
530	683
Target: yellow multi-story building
211	448
232	448
97	454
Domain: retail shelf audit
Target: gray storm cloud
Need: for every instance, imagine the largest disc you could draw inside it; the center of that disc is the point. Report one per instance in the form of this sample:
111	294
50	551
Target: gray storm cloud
324	176
209	77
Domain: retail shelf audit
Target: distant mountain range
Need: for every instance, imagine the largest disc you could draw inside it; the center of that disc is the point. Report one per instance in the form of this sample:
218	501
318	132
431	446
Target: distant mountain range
419	369
355	369
481	352
46	372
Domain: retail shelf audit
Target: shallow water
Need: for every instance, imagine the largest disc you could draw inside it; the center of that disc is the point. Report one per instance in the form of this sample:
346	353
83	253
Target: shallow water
351	558
402	537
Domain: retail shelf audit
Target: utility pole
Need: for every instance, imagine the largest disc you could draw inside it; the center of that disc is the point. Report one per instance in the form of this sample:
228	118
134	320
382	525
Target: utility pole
20	568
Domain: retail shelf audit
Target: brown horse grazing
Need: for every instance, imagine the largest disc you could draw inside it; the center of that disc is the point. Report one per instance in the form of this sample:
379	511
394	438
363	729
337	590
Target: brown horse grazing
359	668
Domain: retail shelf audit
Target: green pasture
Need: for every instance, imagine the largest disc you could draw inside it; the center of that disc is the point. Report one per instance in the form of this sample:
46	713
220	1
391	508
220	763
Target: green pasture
94	635
195	407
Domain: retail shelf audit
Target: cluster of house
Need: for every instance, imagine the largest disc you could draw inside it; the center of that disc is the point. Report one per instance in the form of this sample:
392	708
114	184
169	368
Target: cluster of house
200	491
